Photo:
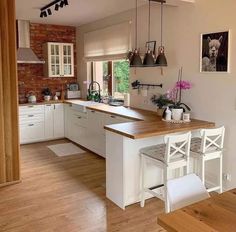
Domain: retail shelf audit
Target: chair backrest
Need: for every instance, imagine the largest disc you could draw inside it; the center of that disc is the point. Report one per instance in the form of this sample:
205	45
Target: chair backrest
212	139
177	147
185	191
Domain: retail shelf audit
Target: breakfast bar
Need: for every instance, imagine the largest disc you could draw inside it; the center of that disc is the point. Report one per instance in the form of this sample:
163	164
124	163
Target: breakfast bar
123	142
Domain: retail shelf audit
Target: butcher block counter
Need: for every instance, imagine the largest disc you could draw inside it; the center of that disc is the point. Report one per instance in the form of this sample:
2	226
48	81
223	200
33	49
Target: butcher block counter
147	123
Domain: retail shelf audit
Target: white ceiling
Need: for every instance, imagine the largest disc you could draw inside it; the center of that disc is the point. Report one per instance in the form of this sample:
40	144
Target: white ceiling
78	12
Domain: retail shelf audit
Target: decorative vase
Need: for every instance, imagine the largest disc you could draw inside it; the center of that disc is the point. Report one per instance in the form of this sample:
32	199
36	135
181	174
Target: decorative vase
177	114
160	112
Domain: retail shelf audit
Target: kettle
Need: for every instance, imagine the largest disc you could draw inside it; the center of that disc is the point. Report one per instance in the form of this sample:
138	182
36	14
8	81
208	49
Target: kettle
32	98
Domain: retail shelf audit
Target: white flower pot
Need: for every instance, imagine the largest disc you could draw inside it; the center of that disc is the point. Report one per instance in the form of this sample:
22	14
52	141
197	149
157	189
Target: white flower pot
177	114
47	98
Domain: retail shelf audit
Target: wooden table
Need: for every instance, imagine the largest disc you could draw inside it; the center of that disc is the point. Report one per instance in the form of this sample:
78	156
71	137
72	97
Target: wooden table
217	213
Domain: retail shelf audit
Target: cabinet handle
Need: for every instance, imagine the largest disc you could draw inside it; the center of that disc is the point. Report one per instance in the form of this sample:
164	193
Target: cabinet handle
92	111
31	124
30	106
30	116
79	117
112	116
48	105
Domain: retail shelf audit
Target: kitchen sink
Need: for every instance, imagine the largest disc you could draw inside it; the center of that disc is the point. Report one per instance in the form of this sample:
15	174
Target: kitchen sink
81	105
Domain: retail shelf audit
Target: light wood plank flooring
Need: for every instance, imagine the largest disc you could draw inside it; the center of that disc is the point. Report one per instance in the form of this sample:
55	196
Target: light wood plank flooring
67	194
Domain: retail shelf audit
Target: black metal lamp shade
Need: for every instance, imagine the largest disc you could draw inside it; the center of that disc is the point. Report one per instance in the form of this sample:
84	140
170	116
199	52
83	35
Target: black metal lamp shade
149	59
161	59
136	60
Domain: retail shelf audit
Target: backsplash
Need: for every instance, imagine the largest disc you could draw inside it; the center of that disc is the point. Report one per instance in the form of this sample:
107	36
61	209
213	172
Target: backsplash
31	76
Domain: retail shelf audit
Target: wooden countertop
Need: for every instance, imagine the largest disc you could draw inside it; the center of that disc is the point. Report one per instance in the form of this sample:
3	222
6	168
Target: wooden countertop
144	129
130	113
41	103
217	213
148	123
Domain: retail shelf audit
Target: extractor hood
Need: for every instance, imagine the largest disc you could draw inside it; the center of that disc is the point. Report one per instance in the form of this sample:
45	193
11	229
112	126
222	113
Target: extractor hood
25	54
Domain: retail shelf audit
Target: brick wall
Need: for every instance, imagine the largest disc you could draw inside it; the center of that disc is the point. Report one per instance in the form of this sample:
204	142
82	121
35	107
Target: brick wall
31	76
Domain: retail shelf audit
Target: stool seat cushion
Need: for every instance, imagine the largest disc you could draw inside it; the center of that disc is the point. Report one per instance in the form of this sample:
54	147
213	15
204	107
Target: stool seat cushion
196	146
157	152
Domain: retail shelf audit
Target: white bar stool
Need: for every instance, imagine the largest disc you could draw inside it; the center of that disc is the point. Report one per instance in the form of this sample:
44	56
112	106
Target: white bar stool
172	155
209	147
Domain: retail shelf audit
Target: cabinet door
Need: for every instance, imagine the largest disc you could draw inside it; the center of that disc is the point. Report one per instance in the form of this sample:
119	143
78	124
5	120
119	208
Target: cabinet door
54	59
96	142
58	115
49	134
67	68
68	121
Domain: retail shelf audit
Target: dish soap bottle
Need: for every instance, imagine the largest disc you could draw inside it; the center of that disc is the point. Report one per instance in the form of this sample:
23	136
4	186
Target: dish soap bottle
168	114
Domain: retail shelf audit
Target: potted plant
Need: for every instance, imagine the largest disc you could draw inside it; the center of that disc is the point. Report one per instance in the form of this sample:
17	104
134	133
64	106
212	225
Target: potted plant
161	101
47	94
175	95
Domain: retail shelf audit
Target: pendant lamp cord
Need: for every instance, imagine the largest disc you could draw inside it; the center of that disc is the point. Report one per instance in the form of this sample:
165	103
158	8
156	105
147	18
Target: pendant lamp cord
149	23
136	26
161	21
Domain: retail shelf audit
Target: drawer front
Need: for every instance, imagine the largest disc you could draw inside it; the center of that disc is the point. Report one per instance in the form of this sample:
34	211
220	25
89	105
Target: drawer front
31	109
31	132
79	120
31	118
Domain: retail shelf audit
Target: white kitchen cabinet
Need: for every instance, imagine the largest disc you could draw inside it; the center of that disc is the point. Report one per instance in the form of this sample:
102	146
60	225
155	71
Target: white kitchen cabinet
97	140
59	59
58	121
54	121
31	120
49	121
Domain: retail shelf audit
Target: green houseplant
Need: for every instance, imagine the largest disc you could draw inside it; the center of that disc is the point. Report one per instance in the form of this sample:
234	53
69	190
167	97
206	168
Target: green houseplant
161	102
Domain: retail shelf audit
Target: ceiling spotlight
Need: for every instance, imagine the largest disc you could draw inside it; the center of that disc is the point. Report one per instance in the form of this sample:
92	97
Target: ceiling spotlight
56	7
64	3
46	10
43	14
49	11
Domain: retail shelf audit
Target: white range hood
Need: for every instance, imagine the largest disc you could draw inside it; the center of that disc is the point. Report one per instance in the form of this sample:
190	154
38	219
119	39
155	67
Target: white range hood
25	54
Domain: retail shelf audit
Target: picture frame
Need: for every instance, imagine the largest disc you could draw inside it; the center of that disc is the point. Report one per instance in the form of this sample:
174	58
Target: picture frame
152	46
214	52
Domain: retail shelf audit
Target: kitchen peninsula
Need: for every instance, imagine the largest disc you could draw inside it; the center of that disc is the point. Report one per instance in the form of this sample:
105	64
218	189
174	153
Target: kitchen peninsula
127	130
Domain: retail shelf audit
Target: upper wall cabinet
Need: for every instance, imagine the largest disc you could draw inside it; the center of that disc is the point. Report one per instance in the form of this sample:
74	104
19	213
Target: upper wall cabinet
59	59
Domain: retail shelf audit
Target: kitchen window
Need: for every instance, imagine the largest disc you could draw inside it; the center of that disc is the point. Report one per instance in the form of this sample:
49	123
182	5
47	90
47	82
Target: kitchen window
113	76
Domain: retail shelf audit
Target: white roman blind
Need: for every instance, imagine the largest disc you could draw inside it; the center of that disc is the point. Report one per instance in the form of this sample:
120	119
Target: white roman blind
112	42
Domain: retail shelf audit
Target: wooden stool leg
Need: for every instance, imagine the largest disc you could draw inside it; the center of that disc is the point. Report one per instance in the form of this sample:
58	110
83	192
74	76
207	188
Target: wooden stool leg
143	171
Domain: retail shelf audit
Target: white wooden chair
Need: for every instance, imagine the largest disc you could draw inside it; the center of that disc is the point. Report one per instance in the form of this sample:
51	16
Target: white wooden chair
209	147
185	191
172	155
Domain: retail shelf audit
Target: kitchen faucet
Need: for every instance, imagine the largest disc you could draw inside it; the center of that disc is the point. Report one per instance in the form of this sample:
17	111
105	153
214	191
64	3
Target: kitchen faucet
91	88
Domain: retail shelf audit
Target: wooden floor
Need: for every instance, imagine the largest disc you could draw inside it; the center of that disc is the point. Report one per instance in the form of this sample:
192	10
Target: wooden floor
67	194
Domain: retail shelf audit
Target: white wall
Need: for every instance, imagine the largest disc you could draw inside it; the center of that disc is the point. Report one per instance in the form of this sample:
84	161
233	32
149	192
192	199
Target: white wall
213	96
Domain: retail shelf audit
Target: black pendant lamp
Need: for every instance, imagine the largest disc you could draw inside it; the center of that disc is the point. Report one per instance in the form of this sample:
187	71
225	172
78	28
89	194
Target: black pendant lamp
161	58
149	57
135	60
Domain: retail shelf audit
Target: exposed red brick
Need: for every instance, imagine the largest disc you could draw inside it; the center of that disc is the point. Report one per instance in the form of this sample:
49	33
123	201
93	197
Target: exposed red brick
31	76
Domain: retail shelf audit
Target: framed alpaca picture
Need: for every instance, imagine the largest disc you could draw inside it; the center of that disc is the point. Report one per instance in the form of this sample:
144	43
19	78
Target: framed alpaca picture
215	52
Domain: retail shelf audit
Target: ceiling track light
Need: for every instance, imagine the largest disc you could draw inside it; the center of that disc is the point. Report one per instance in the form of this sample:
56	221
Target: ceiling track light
46	10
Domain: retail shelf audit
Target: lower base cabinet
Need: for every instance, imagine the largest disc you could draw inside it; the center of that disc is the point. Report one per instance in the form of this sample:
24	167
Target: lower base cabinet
53	121
41	122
